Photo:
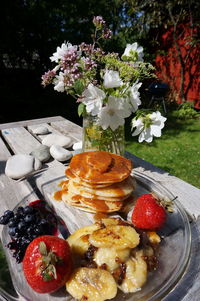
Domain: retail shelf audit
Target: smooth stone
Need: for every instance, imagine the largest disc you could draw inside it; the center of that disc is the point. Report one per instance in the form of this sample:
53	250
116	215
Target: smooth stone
78	151
77	146
42	153
41	130
60	153
60	140
20	165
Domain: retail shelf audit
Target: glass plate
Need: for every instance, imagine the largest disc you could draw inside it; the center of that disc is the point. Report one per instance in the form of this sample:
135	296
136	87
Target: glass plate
174	248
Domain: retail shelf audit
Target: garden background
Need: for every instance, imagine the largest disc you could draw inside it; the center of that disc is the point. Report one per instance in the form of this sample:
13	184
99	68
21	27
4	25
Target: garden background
169	32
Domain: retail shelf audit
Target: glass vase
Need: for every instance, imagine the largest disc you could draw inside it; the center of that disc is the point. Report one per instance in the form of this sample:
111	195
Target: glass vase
96	138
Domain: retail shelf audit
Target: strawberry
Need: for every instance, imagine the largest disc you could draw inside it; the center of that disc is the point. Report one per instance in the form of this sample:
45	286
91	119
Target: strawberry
47	263
148	213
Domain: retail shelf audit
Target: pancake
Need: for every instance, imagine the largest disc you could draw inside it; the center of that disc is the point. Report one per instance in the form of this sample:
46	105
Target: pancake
118	190
78	190
80	181
99	167
97	181
91	205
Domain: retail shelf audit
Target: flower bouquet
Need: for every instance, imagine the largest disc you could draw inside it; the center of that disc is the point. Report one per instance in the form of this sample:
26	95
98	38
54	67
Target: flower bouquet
106	86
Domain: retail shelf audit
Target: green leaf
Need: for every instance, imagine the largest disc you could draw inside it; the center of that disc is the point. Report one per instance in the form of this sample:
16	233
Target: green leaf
46	277
79	87
81	109
42	248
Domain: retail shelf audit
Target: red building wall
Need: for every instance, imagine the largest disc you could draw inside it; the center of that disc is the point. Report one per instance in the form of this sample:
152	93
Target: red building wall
169	69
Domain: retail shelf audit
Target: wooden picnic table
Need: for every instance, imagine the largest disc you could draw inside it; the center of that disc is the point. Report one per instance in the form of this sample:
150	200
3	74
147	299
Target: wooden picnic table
18	138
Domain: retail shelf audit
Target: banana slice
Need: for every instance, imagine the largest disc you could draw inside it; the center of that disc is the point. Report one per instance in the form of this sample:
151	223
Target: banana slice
111	221
78	241
111	257
136	274
118	237
91	285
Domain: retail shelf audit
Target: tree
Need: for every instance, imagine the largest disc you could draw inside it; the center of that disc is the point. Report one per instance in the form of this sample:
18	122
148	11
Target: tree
155	17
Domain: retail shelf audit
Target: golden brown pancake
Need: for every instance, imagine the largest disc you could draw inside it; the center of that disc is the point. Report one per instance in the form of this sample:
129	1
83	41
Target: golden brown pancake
80	181
93	205
98	167
116	190
97	181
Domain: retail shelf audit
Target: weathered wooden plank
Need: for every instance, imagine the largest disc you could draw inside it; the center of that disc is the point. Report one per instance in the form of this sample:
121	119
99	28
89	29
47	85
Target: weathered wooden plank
20	140
28	122
51	129
11	193
68	127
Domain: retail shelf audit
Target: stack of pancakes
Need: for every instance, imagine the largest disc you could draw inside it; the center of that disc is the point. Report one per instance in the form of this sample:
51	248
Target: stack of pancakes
98	181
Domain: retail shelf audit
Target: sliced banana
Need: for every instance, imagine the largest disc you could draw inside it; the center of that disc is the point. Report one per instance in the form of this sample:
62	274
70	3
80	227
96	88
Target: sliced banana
110	221
111	257
91	285
136	274
119	237
78	241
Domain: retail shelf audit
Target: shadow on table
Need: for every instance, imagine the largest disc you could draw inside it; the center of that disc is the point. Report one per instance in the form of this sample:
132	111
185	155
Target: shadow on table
2	167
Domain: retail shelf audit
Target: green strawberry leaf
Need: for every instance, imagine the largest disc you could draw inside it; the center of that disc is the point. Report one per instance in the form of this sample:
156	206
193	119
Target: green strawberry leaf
42	248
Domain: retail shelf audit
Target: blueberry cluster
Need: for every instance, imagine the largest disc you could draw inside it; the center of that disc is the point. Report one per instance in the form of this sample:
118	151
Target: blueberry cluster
26	224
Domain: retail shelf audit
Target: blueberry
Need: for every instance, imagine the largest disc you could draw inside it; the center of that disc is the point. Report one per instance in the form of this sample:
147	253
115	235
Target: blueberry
12	222
38	231
29	218
8	213
17	216
3	220
20	211
22	225
12	231
28	210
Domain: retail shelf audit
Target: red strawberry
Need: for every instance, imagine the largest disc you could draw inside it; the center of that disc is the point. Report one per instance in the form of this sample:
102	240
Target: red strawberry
47	263
148	213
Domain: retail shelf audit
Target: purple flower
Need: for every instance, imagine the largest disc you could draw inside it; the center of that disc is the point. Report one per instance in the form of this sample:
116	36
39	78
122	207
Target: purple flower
99	22
107	33
89	63
48	77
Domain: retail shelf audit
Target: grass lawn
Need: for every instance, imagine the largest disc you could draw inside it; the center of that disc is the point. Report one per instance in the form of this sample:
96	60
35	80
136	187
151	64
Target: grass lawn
177	151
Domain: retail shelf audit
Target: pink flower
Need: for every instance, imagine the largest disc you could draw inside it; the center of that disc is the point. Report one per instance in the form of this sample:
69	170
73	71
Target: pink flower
48	77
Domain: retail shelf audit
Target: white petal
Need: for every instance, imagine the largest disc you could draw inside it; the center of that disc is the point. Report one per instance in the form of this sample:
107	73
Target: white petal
155	130
112	79
138	130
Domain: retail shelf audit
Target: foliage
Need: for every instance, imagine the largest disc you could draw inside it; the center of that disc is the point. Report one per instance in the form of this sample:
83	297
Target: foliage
176	152
185	111
32	29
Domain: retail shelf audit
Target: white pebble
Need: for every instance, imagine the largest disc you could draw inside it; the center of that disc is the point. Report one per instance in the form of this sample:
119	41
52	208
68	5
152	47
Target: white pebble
41	130
78	145
60	140
60	153
21	165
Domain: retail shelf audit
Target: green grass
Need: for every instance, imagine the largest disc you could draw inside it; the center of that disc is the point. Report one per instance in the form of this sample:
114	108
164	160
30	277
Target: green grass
177	151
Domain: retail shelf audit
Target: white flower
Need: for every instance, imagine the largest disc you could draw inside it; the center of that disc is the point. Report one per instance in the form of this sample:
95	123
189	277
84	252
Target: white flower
131	48
93	99
111	115
61	51
157	122
125	106
59	82
112	79
135	96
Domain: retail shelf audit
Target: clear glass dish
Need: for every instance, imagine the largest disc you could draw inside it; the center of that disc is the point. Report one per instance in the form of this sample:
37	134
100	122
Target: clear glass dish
174	249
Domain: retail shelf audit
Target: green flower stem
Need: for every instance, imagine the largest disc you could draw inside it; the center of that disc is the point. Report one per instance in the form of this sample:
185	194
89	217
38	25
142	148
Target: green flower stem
95	138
